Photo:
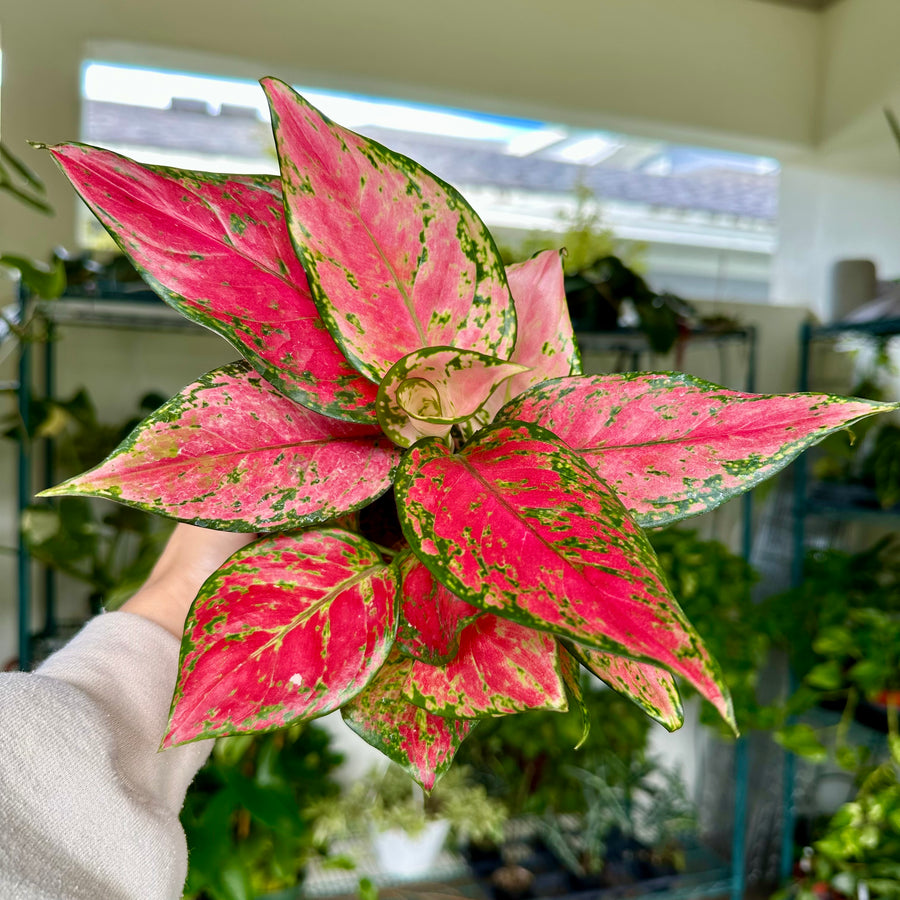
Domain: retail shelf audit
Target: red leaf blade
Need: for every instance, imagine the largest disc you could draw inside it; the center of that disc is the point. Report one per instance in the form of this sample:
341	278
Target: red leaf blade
231	452
547	346
518	524
673	446
651	688
431	618
216	248
422	743
291	627
501	668
396	259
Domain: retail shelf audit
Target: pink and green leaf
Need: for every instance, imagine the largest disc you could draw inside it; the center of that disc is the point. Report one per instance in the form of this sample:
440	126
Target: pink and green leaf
518	524
216	248
231	452
396	259
291	627
673	446
546	342
422	743
651	688
428	391
431	618
501	668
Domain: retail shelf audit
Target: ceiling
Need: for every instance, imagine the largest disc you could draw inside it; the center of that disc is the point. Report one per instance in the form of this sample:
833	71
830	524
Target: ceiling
805	4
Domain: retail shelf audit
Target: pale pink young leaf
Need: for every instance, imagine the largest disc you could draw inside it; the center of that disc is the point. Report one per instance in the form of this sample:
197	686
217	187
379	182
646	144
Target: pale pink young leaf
517	523
396	259
651	688
291	627
501	668
231	452
216	248
673	446
431	618
546	342
422	743
428	391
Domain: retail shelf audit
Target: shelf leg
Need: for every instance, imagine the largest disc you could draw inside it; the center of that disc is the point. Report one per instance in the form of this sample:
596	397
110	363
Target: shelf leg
23	578
739	836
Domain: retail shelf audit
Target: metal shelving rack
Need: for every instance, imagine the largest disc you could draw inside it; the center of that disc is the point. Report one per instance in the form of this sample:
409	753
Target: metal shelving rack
114	308
110	307
814	500
630	345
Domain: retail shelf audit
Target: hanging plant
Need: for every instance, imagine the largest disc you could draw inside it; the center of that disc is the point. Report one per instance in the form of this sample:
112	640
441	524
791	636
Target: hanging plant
386	348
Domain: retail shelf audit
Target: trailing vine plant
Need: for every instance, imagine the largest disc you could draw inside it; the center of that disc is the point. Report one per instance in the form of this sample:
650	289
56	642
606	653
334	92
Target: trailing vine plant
386	348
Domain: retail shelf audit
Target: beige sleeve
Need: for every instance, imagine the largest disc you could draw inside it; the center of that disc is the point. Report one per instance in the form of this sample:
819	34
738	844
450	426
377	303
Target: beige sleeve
88	806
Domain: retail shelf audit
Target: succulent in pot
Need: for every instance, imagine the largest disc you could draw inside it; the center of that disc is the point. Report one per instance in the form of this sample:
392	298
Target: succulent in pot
386	348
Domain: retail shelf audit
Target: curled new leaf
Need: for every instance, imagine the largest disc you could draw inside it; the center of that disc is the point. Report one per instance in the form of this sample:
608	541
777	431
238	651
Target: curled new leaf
427	392
232	453
673	446
291	627
518	524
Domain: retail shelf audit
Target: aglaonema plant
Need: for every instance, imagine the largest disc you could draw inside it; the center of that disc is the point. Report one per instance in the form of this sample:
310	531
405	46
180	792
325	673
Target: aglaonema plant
386	348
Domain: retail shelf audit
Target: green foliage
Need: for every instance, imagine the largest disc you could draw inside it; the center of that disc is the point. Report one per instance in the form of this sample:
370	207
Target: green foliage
244	815
530	761
602	273
639	801
585	239
21	183
714	587
841	625
391	799
109	547
859	852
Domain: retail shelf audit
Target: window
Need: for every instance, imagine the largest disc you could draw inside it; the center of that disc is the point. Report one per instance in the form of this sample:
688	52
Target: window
707	218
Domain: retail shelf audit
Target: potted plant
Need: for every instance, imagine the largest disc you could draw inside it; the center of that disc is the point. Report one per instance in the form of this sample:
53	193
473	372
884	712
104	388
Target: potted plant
386	348
632	823
408	828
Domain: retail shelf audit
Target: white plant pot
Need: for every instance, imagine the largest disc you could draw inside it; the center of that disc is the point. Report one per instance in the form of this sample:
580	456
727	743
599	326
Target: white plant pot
403	856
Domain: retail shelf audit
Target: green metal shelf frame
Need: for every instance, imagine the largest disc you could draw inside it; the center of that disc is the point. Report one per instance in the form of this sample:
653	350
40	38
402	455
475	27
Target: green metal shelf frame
806	506
120	310
113	310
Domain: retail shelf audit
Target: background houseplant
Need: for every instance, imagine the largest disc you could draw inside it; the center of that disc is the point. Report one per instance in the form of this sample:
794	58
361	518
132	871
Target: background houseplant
247	814
380	329
407	827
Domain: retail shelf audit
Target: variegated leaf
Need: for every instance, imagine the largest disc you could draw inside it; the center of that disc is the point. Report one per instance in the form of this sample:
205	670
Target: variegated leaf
431	618
231	452
571	673
673	446
291	627
396	259
428	391
518	524
546	342
422	743
501	668
216	248
651	688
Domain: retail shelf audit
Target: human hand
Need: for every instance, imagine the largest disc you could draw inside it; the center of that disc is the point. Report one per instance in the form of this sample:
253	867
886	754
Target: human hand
190	557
